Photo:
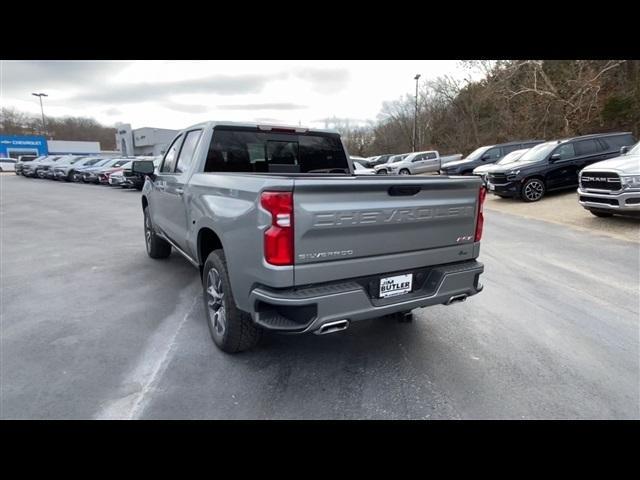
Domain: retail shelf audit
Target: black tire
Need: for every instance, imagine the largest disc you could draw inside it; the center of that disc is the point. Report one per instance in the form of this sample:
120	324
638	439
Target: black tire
600	213
532	190
156	246
231	329
404	171
382	171
69	177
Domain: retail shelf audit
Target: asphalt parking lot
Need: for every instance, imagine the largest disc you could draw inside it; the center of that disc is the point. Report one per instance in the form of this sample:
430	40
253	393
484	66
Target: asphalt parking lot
93	328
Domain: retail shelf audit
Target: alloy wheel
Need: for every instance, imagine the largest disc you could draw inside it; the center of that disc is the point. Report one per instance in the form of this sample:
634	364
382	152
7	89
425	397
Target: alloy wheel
534	190
147	231
215	302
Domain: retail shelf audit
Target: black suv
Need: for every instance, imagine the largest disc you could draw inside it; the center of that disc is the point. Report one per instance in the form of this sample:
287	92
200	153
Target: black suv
485	155
554	165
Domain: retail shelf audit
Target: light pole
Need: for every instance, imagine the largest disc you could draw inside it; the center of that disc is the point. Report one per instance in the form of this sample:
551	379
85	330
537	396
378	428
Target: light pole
40	95
415	115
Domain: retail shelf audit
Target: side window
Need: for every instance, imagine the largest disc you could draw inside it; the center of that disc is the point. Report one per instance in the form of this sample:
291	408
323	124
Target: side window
188	149
586	147
565	151
430	156
418	158
171	156
493	153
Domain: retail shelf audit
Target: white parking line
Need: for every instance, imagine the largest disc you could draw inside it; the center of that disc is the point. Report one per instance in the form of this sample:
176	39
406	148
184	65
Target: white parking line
150	365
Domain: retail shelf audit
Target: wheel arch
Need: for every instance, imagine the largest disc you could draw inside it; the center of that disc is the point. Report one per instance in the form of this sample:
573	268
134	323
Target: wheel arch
207	241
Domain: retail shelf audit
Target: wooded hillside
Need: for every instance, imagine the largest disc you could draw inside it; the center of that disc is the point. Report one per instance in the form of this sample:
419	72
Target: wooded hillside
515	100
13	122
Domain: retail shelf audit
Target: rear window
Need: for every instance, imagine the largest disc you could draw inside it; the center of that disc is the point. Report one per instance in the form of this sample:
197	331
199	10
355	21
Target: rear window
251	151
511	148
614	143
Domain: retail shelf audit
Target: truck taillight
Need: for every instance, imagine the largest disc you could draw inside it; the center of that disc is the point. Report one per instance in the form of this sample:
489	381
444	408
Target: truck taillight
278	238
480	220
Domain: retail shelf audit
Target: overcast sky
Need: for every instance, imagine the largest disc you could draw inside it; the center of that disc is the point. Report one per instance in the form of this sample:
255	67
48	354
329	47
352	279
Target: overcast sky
176	94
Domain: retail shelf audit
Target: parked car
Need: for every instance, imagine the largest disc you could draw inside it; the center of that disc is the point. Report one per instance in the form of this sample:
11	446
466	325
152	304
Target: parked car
126	178
554	165
105	175
7	164
380	159
230	213
612	187
39	169
90	174
450	158
360	169
514	156
383	169
65	160
363	161
66	169
26	159
415	163
485	155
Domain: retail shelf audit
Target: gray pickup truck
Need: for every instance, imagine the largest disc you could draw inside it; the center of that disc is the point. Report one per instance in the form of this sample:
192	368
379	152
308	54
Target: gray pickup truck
288	239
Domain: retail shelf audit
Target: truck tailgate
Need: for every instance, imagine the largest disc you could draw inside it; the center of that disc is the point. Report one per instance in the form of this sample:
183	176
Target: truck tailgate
348	227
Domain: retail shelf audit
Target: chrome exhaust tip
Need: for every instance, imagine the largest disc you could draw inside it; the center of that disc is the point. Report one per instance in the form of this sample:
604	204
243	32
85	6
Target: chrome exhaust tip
457	299
332	327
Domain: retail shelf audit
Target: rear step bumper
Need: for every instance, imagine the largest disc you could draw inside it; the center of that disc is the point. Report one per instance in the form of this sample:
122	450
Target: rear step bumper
310	309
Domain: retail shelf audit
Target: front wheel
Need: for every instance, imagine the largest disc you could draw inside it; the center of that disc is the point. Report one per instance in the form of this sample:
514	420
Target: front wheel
382	171
232	330
404	171
156	247
600	213
532	190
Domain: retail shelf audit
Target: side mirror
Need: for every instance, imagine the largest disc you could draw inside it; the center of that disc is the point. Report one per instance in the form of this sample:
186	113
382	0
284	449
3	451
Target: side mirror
555	157
143	167
624	150
485	157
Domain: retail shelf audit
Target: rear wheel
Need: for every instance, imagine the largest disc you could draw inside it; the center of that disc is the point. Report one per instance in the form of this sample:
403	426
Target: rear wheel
156	246
232	330
532	190
600	213
404	171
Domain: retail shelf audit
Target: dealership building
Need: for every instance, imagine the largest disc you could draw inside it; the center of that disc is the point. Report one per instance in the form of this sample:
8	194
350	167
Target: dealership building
143	141
12	146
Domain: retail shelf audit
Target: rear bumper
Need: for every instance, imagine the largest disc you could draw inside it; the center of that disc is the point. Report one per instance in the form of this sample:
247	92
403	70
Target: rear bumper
308	309
614	202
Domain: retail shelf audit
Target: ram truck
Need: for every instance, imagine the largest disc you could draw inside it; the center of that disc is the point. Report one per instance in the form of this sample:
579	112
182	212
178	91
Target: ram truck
612	187
288	239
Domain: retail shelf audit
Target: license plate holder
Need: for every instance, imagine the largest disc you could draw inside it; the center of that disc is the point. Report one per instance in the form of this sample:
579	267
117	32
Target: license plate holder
395	285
